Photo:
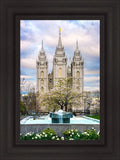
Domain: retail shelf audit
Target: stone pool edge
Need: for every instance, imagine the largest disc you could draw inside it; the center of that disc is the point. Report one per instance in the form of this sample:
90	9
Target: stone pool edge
58	128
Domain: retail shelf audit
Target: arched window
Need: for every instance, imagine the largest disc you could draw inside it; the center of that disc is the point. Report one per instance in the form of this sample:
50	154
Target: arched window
42	74
42	89
42	81
78	74
60	72
50	80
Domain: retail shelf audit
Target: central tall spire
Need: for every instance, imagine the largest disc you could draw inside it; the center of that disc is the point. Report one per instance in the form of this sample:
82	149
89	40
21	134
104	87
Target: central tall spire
77	45
42	46
59	41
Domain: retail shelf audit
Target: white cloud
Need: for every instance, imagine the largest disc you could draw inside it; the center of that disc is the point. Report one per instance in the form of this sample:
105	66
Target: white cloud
91	72
25	77
91	88
28	63
91	79
48	31
26	45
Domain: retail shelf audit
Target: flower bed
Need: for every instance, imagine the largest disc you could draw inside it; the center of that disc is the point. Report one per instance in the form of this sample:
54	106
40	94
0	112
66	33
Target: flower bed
73	134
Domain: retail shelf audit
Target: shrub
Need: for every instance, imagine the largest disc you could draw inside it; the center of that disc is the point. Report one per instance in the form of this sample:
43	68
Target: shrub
91	134
48	134
27	136
77	135
73	134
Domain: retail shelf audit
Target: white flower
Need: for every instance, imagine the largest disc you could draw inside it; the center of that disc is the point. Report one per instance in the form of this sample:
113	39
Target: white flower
39	136
50	133
78	135
53	137
71	139
57	138
26	134
45	135
70	135
72	130
32	137
98	132
43	132
62	138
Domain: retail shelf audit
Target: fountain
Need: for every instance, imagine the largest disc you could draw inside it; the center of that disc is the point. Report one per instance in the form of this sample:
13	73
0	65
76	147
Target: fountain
58	121
61	116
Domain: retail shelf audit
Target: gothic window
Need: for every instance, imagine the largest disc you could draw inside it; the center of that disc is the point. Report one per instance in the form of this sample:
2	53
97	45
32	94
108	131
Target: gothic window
78	74
42	89
42	74
50	80
42	81
60	72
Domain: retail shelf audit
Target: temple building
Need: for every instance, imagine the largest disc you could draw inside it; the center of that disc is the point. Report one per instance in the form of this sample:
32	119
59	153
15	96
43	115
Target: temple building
75	69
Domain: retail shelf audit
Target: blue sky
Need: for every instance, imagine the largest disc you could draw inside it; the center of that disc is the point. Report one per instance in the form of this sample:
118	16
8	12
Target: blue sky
87	32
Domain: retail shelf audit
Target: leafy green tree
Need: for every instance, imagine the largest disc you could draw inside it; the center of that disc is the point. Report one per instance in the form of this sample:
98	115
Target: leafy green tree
61	97
31	102
22	108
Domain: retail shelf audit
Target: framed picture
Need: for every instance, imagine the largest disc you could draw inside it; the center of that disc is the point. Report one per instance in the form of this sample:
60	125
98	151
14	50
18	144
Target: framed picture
60	88
60	80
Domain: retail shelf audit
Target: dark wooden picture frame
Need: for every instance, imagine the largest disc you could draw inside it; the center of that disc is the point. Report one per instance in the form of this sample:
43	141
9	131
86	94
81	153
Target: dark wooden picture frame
109	145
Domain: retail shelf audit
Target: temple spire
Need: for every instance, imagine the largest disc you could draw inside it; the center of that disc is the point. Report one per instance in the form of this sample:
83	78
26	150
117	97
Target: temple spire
42	46
77	45
42	49
59	41
77	51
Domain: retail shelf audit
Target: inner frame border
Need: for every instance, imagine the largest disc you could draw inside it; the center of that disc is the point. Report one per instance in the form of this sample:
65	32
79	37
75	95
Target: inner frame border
102	77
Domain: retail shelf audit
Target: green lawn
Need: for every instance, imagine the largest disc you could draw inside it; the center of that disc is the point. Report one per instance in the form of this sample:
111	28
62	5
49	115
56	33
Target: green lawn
94	116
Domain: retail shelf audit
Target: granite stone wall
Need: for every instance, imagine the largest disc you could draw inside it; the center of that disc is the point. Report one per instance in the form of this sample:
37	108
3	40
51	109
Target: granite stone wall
58	128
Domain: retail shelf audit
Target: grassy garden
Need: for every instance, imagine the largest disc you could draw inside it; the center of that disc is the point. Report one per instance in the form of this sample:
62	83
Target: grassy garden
94	116
74	134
